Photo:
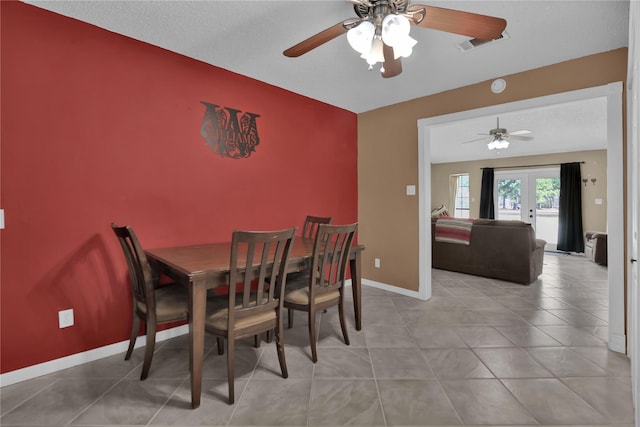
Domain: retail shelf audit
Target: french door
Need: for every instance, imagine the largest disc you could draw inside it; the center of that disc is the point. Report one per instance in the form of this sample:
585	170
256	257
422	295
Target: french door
531	196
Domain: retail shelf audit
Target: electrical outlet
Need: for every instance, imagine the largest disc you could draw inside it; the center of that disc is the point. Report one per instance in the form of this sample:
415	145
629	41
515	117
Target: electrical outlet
65	318
376	263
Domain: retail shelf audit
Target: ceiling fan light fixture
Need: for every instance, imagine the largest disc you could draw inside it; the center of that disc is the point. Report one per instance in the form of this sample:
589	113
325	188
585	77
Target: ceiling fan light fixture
368	38
498	144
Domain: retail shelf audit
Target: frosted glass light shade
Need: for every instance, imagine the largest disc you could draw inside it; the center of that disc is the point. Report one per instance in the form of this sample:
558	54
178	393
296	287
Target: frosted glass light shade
395	30
376	54
405	48
360	37
498	144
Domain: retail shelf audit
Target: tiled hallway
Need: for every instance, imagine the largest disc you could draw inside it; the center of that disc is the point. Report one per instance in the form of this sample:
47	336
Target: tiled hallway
480	352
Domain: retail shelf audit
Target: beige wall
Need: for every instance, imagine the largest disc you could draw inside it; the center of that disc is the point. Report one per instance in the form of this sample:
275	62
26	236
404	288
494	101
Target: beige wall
388	155
594	217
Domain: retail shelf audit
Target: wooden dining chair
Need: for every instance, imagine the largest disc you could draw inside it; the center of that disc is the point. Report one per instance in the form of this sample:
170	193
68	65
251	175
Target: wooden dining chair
153	303
253	305
311	224
324	286
309	231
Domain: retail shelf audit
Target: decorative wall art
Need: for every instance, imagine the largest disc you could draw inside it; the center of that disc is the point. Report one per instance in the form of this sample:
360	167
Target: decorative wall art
229	134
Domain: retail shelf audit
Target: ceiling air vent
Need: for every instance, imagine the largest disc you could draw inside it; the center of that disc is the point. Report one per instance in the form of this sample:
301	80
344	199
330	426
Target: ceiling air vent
468	45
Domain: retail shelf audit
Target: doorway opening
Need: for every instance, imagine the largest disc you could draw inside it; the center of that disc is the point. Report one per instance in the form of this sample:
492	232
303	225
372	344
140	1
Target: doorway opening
531	196
611	94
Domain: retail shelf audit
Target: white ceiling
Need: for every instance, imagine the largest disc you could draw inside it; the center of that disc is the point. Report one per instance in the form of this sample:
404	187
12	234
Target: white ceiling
565	127
248	37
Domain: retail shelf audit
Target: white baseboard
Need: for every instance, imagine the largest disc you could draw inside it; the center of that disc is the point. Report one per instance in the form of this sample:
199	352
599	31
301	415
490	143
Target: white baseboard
66	362
394	289
618	343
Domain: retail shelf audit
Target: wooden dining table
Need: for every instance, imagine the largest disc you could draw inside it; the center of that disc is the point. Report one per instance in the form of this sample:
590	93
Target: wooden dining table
206	266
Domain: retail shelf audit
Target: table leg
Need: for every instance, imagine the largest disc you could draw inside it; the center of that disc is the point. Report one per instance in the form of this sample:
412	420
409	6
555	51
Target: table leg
197	306
355	266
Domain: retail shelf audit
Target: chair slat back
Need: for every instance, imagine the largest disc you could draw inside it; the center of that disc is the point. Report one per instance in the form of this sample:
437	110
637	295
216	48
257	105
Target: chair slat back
140	273
311	224
257	271
330	256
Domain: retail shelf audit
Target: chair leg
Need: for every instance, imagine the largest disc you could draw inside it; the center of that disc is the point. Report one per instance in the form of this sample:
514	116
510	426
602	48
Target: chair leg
343	324
135	327
220	343
290	316
230	372
149	349
312	335
280	347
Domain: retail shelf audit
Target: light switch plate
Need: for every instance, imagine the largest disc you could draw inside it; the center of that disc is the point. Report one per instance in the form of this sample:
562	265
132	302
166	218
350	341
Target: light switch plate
411	190
598	201
1	219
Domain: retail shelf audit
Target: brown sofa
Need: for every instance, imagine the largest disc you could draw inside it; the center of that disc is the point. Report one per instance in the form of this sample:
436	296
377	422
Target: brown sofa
506	250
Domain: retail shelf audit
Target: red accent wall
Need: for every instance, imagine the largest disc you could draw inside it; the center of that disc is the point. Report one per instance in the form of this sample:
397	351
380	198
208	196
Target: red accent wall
97	127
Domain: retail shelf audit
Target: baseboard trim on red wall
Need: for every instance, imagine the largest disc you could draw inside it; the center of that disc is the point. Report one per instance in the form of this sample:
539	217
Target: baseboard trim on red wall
66	362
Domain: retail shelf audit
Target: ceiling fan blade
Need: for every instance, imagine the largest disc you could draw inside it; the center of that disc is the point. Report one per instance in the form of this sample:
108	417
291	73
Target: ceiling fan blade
474	140
392	66
316	40
458	22
512	137
520	132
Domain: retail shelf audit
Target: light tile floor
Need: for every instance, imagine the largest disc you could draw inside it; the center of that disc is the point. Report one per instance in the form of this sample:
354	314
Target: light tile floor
481	352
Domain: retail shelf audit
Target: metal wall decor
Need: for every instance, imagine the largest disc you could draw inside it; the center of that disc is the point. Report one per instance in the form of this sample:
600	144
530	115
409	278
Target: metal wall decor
228	132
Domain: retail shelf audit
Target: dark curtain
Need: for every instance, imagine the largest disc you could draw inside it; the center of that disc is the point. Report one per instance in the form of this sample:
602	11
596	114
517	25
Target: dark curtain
570	213
486	195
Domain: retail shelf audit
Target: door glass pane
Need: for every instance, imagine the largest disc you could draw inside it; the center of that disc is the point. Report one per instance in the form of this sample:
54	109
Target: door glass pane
462	197
509	199
547	196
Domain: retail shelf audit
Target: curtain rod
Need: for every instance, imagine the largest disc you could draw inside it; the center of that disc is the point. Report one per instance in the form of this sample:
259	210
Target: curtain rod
531	166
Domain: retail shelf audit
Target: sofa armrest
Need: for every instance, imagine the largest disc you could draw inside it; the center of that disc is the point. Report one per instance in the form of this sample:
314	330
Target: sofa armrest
596	247
595	235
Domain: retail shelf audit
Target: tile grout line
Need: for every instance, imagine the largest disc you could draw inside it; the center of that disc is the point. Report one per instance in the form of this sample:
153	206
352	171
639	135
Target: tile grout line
26	399
153	417
86	408
438	379
244	389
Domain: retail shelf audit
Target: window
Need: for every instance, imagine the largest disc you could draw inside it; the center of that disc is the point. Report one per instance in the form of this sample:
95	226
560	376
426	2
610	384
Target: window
460	187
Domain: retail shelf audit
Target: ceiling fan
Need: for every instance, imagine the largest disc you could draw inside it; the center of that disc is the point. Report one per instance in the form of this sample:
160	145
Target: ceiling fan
380	33
499	137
